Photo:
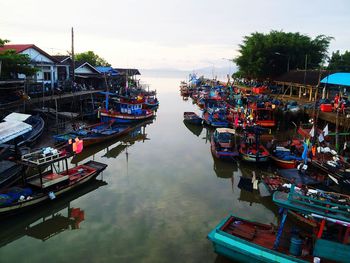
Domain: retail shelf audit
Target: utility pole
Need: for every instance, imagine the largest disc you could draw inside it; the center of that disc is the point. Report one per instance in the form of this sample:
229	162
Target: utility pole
73	61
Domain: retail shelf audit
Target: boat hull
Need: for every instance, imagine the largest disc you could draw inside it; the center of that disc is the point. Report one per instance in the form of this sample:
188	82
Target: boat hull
283	164
125	118
20	207
244	251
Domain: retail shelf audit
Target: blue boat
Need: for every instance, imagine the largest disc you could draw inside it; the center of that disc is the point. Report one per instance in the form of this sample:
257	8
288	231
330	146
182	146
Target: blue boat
95	134
215	117
125	110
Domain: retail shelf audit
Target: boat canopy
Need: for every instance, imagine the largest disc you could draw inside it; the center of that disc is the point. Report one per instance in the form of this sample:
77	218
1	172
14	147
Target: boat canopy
14	116
226	130
12	129
340	78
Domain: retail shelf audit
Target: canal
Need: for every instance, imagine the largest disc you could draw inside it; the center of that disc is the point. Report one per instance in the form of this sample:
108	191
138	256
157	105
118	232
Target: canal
159	197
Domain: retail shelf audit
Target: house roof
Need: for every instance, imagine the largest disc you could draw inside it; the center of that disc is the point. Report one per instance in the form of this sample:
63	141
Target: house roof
340	78
107	70
62	58
308	77
80	64
22	47
128	71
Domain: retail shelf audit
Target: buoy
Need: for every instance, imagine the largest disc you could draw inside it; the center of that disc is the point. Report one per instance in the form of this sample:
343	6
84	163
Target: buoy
52	195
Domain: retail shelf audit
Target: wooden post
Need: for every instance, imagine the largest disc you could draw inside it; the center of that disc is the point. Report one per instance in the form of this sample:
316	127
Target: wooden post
73	60
56	106
310	97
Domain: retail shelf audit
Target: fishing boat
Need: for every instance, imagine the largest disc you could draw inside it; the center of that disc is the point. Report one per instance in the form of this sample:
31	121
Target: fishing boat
49	183
192	118
223	144
246	241
94	134
264	114
151	101
21	129
251	150
215	117
332	211
124	110
285	158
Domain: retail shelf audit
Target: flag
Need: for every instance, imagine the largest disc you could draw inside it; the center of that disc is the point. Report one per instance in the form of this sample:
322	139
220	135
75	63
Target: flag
312	132
325	130
320	138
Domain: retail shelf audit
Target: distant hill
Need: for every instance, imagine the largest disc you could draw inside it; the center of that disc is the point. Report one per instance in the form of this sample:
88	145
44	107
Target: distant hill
219	72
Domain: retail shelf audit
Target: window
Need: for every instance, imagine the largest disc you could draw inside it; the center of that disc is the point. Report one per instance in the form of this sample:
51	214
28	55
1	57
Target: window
47	75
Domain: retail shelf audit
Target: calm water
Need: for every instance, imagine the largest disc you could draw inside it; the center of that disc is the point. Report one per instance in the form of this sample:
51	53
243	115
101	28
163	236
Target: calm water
159	197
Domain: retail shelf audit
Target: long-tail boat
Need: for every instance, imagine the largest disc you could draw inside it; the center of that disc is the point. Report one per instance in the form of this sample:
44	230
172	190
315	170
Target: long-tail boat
192	118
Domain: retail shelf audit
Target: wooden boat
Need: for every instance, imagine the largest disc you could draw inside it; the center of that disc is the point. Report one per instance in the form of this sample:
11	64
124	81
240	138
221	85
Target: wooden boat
265	117
247	241
94	134
151	102
223	145
125	110
215	117
48	221
333	213
21	129
284	158
49	185
192	118
251	150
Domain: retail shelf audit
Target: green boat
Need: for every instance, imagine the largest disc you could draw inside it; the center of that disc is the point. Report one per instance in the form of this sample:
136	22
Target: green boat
248	241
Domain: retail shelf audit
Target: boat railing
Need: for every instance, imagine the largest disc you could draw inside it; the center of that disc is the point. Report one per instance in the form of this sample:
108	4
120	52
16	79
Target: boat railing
43	156
324	206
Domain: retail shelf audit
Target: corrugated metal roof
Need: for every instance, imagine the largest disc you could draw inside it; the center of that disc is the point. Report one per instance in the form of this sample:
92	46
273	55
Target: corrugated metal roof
12	129
340	78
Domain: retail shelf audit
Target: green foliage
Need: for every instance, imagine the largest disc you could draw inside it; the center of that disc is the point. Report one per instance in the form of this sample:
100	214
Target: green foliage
13	63
267	55
339	61
92	58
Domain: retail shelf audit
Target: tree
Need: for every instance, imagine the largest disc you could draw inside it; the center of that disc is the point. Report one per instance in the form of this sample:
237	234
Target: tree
339	61
269	55
91	58
13	63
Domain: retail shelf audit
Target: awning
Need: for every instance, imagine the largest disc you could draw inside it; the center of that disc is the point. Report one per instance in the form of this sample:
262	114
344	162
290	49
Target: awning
17	117
226	130
12	129
340	78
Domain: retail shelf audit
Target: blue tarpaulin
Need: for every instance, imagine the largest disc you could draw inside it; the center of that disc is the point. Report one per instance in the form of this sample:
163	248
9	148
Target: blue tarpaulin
341	78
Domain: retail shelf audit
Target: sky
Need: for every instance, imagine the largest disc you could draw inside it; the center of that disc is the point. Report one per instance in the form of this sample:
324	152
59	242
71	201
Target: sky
177	34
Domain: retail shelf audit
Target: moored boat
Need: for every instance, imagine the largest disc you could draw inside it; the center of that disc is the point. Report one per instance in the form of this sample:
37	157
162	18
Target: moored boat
223	145
192	118
49	185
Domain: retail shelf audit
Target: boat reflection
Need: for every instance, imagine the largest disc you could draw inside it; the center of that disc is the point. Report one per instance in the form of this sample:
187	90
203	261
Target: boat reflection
139	128
195	129
224	169
47	221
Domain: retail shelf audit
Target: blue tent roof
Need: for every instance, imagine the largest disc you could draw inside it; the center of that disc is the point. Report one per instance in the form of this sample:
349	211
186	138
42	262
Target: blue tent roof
107	70
340	78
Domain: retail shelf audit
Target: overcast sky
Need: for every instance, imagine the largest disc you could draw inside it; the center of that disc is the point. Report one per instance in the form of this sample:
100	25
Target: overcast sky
182	34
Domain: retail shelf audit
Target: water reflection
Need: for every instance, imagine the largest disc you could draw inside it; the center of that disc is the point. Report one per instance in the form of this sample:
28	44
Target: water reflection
195	129
224	169
48	221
